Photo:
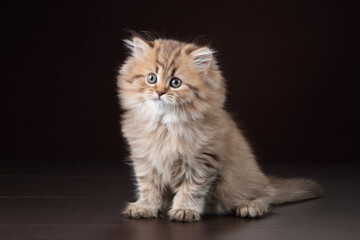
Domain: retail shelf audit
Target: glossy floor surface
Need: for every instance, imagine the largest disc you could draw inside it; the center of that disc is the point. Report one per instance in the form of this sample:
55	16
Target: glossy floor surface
87	205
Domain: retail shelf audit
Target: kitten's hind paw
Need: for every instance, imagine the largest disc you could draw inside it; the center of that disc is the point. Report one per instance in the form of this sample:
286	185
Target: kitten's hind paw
136	211
184	215
251	209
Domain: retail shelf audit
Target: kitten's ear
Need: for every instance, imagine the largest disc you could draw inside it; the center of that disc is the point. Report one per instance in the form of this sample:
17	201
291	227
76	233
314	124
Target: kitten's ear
138	46
202	57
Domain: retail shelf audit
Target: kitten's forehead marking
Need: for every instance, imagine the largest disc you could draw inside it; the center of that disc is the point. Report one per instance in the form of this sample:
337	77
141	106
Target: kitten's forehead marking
166	55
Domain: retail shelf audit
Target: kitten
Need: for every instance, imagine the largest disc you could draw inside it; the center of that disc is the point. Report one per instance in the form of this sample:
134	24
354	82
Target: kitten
188	154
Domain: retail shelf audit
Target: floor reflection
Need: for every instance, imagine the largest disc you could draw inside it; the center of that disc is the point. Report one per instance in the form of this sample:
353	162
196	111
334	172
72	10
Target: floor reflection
210	227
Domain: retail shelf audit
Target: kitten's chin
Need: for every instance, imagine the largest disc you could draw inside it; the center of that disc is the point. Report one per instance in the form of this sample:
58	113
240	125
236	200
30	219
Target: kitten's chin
156	100
162	101
160	105
159	102
156	105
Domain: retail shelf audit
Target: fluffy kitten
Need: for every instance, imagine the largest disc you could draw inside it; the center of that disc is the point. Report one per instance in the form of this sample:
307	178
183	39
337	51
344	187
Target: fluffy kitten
188	154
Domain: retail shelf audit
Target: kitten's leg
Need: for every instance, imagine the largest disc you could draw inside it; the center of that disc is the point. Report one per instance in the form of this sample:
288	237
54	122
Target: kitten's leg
254	208
150	199
189	199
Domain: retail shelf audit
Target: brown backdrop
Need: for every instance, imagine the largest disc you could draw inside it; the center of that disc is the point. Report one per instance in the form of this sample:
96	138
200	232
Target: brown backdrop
290	68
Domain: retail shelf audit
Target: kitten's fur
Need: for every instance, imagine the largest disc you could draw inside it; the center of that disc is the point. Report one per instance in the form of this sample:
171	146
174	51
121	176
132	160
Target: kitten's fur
188	154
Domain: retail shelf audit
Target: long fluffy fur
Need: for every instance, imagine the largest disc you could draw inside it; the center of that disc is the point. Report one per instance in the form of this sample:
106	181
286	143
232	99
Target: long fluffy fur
189	156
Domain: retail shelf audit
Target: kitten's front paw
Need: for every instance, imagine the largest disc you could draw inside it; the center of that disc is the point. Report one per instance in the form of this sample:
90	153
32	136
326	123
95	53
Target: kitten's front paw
136	211
251	209
184	215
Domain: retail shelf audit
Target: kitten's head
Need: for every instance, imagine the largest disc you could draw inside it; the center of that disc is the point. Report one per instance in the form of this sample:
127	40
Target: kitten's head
168	75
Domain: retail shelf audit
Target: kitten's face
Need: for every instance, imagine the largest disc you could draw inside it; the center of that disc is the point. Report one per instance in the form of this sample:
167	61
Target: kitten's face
167	74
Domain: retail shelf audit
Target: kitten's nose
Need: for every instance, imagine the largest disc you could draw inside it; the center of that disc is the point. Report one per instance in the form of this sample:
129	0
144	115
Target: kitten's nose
160	93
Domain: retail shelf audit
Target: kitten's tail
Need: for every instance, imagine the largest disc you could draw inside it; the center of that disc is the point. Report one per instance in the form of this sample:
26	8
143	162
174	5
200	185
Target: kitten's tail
294	189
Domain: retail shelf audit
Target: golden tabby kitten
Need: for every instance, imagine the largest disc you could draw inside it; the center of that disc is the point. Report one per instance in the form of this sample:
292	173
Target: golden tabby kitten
189	156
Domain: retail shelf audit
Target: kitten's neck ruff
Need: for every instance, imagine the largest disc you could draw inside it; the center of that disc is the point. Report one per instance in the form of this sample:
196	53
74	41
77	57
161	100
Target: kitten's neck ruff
167	114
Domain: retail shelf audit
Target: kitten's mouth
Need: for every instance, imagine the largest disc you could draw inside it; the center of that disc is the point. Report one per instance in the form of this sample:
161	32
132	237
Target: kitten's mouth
157	98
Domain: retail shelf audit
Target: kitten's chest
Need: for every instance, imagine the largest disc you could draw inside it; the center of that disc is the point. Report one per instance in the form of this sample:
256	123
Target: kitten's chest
169	143
162	145
165	147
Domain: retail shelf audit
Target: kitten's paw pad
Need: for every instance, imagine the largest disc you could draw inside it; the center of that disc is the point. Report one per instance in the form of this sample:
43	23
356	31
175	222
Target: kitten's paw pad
251	209
184	215
136	211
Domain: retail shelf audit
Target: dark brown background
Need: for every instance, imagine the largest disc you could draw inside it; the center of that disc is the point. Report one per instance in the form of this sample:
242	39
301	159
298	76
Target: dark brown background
290	68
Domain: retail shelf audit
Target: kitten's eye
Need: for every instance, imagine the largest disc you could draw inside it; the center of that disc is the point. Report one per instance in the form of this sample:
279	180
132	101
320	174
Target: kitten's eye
151	78
175	83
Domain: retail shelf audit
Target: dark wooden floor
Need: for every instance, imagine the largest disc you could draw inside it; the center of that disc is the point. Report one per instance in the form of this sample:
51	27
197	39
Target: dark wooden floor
87	206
